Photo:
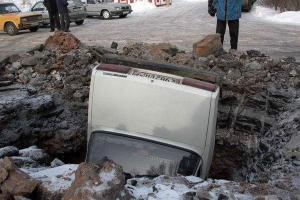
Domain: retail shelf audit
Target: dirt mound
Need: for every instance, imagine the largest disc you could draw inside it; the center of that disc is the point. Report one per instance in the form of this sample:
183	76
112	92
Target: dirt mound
63	41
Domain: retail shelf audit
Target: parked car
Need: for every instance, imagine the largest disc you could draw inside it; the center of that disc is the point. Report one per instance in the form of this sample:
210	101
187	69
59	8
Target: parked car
12	20
76	9
247	5
151	123
107	9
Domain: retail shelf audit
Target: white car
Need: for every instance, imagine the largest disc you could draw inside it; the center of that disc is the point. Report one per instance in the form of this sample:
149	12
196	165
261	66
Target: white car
151	123
107	9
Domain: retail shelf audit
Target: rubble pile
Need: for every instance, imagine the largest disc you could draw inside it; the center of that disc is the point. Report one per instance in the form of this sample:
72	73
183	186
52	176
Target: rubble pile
44	99
44	102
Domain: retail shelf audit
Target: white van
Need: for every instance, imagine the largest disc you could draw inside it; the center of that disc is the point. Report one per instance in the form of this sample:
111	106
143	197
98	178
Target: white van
151	123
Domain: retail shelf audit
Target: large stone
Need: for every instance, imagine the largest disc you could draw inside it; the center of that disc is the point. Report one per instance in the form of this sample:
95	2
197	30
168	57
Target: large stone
105	182
35	154
16	183
8	151
207	46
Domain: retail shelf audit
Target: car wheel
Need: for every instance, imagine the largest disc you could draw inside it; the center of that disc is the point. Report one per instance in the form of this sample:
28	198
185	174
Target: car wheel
80	22
11	29
34	29
123	16
106	14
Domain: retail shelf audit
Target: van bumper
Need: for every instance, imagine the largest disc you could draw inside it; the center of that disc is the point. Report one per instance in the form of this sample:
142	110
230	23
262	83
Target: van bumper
28	25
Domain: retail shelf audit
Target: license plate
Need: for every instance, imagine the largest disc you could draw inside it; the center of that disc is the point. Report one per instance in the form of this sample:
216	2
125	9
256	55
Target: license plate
125	12
155	76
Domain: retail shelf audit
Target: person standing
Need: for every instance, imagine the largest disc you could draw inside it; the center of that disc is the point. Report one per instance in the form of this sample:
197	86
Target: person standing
63	11
53	14
228	12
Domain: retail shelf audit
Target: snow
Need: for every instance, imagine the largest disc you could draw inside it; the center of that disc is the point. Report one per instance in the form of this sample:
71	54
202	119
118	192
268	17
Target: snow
193	179
142	7
107	176
57	178
270	15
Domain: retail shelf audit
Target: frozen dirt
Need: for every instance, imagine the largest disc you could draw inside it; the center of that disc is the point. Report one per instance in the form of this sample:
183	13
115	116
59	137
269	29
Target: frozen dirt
183	23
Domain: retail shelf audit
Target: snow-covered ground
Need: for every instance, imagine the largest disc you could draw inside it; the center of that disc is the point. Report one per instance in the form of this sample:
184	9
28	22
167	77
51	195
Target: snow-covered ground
182	24
144	7
268	14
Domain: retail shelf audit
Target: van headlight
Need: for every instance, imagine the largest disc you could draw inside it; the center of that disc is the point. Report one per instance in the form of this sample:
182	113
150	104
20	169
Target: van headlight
117	8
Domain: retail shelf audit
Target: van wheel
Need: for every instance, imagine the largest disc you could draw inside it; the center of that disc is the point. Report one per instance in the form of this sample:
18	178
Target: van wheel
11	29
106	14
34	29
80	22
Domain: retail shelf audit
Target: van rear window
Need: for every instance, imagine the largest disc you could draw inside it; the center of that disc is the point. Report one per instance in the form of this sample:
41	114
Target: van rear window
140	157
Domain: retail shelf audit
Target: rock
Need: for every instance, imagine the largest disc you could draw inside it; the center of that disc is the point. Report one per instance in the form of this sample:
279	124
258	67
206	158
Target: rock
56	162
114	45
30	61
207	46
293	73
253	66
25	162
17	182
65	42
35	154
9	151
103	181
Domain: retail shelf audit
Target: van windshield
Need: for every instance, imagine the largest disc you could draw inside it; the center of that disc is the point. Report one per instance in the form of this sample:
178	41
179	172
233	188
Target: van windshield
140	157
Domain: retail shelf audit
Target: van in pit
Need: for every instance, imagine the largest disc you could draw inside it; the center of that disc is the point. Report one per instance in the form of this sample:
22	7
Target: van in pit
151	123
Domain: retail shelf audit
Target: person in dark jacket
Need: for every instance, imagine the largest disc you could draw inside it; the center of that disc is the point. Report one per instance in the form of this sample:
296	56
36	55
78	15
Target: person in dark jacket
63	11
53	14
228	11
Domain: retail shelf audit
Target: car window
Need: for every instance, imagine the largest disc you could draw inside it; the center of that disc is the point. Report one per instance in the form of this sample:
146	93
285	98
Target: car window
91	2
39	7
8	8
140	157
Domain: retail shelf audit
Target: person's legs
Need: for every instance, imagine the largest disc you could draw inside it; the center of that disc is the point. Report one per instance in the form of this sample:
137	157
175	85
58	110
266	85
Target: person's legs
57	22
221	29
52	21
62	21
234	33
67	18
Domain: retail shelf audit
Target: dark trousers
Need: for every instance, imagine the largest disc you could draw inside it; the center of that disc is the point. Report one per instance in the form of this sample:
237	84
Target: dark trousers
233	31
54	21
64	21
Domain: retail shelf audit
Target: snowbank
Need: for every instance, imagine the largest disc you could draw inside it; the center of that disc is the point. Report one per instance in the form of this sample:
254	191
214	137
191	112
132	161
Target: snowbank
268	14
142	7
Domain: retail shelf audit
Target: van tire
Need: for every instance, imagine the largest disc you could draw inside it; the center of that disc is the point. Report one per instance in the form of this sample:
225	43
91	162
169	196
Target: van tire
11	29
34	29
80	22
106	14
